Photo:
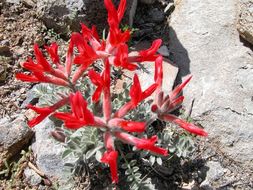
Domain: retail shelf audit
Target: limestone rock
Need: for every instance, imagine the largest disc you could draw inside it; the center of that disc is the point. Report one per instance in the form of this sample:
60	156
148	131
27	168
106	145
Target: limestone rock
205	43
65	16
14	135
47	150
32	177
245	21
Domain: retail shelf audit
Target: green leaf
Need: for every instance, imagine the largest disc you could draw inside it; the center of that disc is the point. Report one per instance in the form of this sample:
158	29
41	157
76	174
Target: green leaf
124	166
91	152
152	160
135	169
130	178
159	161
128	171
66	153
133	162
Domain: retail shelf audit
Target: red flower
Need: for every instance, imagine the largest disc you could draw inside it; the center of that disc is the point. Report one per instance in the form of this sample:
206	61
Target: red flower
121	58
176	92
53	52
146	144
129	126
117	37
185	125
159	72
136	93
150	54
87	53
80	115
89	33
102	81
110	157
115	16
44	112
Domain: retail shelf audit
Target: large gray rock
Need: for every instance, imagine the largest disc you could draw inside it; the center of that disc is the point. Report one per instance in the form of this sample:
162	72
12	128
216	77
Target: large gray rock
205	43
65	15
14	135
47	150
245	21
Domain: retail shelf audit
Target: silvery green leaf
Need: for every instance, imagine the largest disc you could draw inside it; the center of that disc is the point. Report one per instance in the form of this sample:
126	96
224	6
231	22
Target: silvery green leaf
66	153
130	178
135	169
124	166
133	162
152	160
159	161
91	152
128	171
98	155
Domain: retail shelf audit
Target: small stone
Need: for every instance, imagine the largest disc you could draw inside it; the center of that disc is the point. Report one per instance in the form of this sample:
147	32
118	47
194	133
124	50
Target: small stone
29	3
164	51
32	177
5	51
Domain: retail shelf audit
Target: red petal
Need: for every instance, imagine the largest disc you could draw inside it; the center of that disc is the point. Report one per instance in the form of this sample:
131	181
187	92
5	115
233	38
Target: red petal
187	126
111	159
27	78
121	9
148	91
150	54
133	126
40	58
53	52
179	88
159	71
135	91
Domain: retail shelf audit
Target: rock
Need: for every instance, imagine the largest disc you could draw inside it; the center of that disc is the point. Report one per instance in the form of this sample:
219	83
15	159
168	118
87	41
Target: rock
29	3
214	173
47	150
245	21
164	51
32	177
14	135
13	1
206	44
5	51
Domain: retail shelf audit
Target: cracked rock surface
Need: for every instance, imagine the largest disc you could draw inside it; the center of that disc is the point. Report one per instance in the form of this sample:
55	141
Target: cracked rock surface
205	42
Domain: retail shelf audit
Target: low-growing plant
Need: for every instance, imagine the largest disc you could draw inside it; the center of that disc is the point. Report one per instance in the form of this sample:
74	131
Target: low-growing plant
96	118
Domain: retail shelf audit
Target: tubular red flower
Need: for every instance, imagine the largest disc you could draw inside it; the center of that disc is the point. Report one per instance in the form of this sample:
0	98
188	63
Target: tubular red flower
150	54
41	60
185	125
117	37
69	58
179	88
80	115
136	93
53	52
129	126
110	157
121	58
43	113
146	144
106	91
159	72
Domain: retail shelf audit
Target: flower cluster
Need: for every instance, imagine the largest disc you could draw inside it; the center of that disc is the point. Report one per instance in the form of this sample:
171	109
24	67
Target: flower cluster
113	52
